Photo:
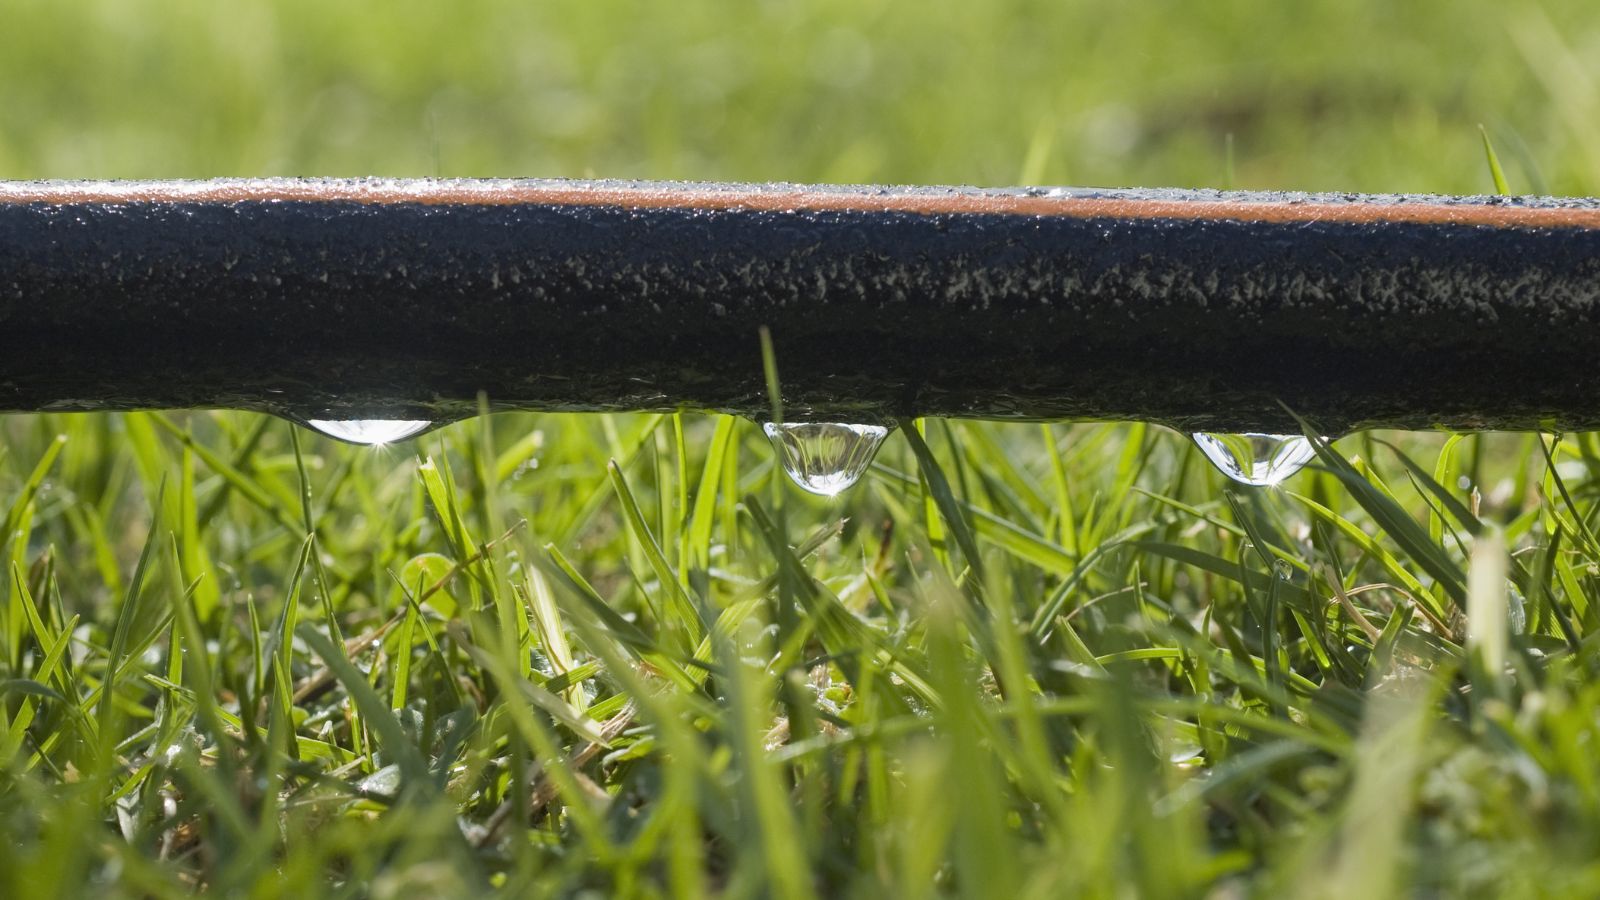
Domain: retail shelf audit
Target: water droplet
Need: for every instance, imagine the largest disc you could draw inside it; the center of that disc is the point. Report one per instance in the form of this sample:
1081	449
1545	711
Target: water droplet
1256	459
825	457
369	431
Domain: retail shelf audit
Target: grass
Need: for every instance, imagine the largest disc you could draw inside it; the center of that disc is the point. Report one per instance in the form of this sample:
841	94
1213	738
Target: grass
251	660
620	655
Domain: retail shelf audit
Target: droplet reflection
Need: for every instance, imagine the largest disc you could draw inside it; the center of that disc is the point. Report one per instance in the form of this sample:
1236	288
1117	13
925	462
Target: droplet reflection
369	432
825	458
1261	460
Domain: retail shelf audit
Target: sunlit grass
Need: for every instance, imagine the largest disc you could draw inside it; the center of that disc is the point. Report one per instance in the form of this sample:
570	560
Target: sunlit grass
755	691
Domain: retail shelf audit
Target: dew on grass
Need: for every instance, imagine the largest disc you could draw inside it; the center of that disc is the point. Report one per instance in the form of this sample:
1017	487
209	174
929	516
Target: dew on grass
1256	459
825	458
368	432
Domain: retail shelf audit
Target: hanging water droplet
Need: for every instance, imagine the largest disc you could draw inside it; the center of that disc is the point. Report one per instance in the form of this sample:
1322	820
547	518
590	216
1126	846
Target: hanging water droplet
369	432
825	457
1262	460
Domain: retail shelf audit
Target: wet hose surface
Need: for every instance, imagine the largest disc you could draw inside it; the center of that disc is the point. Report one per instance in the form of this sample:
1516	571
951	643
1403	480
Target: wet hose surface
1207	311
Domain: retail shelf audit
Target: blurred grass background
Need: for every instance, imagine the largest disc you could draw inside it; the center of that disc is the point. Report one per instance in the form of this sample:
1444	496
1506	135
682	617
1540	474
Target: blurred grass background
1316	95
1195	714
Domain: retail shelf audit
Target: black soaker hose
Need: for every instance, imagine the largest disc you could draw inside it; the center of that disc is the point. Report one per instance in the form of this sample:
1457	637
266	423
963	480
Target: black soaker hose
324	299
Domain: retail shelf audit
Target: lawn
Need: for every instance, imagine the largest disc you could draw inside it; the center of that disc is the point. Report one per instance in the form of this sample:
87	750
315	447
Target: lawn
620	655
